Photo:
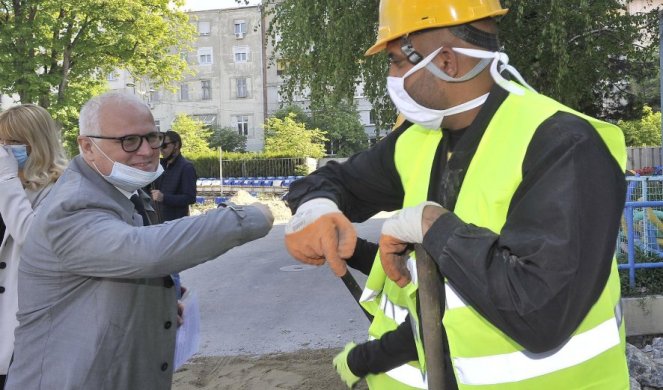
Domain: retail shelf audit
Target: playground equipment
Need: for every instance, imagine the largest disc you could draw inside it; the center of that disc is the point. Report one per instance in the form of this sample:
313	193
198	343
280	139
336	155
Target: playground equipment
642	224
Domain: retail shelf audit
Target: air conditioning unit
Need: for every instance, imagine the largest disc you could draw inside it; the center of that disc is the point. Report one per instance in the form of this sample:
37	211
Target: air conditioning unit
239	35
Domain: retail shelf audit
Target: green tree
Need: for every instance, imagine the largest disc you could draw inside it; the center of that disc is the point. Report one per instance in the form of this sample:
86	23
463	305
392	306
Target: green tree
300	115
229	139
57	53
195	134
288	137
587	54
344	130
645	131
582	52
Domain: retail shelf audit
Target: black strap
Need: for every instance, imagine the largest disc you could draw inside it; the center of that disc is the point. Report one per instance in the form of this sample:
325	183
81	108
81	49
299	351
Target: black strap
140	208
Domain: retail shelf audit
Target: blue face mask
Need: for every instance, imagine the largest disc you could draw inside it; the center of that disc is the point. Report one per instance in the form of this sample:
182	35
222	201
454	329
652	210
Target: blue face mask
20	153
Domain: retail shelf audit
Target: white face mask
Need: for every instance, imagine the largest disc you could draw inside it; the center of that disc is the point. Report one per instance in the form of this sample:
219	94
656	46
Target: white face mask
415	112
125	177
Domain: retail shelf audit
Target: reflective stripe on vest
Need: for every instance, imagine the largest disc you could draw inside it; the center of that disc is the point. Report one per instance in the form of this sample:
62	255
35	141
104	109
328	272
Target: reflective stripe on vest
518	366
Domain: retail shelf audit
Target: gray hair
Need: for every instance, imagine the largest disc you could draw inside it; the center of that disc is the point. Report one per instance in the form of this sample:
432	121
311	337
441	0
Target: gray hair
88	120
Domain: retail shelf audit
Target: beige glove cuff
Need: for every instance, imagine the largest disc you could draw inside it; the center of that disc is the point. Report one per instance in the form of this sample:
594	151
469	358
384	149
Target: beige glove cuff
406	224
308	212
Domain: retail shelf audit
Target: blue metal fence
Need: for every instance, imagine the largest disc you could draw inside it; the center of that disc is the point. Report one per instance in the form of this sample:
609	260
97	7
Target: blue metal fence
642	225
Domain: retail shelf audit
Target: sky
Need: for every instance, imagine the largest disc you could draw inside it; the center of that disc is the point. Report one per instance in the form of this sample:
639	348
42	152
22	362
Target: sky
199	5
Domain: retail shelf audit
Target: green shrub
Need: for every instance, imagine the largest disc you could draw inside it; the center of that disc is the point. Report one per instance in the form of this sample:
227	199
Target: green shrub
247	164
648	281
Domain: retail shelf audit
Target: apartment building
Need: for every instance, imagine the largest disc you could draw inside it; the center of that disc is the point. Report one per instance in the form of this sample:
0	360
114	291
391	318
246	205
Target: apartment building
226	87
234	82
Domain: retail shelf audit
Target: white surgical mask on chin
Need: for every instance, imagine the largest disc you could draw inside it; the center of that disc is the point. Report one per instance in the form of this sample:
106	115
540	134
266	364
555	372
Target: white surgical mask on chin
125	177
415	112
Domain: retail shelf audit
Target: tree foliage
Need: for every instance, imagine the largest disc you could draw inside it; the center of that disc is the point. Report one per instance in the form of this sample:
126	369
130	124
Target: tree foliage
195	135
584	53
338	120
645	131
587	54
286	136
229	139
57	53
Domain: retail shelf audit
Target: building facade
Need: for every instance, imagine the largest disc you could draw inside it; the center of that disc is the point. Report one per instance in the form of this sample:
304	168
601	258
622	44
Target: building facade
225	86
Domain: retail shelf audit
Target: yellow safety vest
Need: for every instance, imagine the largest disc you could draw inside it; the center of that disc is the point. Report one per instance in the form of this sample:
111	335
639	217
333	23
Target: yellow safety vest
482	356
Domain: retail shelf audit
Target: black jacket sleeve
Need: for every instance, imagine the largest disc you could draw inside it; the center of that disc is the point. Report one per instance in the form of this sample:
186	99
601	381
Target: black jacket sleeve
363	256
393	349
539	277
364	185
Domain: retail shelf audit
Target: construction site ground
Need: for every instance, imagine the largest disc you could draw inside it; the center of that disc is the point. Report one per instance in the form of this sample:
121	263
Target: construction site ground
268	321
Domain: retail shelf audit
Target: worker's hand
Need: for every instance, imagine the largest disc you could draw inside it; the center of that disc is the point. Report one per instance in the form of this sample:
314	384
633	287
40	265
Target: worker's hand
8	165
404	228
157	196
319	232
341	365
180	307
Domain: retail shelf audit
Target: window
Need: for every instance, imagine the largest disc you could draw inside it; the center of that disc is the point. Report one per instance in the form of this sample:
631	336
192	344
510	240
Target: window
280	67
206	86
241	53
204	55
207	119
242	90
184	91
204	28
112	76
155	96
242	124
157	124
372	117
240	29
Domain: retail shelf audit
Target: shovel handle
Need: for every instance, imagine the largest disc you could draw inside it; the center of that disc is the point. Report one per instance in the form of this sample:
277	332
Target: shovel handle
430	303
352	286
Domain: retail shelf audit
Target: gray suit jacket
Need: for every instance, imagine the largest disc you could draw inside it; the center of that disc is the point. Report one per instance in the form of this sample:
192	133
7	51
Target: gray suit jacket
96	306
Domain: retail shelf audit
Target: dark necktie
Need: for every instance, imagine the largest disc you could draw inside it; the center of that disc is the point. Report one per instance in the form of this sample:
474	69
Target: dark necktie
140	208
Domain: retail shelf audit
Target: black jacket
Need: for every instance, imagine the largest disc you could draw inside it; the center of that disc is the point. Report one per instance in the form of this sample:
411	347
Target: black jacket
178	185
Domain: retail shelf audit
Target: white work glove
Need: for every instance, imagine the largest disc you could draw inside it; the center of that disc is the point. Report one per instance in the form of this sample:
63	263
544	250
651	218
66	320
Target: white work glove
8	165
398	231
319	232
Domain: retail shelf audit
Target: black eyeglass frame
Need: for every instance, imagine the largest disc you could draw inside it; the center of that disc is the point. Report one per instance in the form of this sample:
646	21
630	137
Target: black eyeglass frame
160	137
164	145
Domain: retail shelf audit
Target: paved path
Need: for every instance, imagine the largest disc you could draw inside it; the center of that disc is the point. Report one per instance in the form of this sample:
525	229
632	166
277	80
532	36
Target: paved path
256	300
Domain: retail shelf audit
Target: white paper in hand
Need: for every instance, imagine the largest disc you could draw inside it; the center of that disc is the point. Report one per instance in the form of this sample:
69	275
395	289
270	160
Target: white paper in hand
188	334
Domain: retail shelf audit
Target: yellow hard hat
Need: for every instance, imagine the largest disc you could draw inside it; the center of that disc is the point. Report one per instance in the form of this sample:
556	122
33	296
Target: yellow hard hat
401	17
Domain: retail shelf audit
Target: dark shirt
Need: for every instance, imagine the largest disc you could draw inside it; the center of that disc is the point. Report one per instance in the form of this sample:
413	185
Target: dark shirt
178	185
538	278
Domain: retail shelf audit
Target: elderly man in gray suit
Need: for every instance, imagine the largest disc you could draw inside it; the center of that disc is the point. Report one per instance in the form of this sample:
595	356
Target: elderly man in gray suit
97	309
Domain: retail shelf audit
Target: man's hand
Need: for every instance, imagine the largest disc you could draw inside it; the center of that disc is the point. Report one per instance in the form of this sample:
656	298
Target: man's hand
157	196
341	365
8	165
319	232
408	226
180	308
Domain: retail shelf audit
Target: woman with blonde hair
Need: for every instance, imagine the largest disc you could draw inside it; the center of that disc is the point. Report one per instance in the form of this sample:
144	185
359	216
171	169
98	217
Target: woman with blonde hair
31	160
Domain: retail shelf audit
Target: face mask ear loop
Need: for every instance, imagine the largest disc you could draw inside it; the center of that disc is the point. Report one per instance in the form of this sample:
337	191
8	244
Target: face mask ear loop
478	68
517	75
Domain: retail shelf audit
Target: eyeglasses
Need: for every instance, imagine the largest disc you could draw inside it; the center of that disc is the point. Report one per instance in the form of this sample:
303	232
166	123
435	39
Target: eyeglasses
165	144
131	143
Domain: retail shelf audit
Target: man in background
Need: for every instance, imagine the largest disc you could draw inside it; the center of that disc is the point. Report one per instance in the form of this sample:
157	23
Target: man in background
175	189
